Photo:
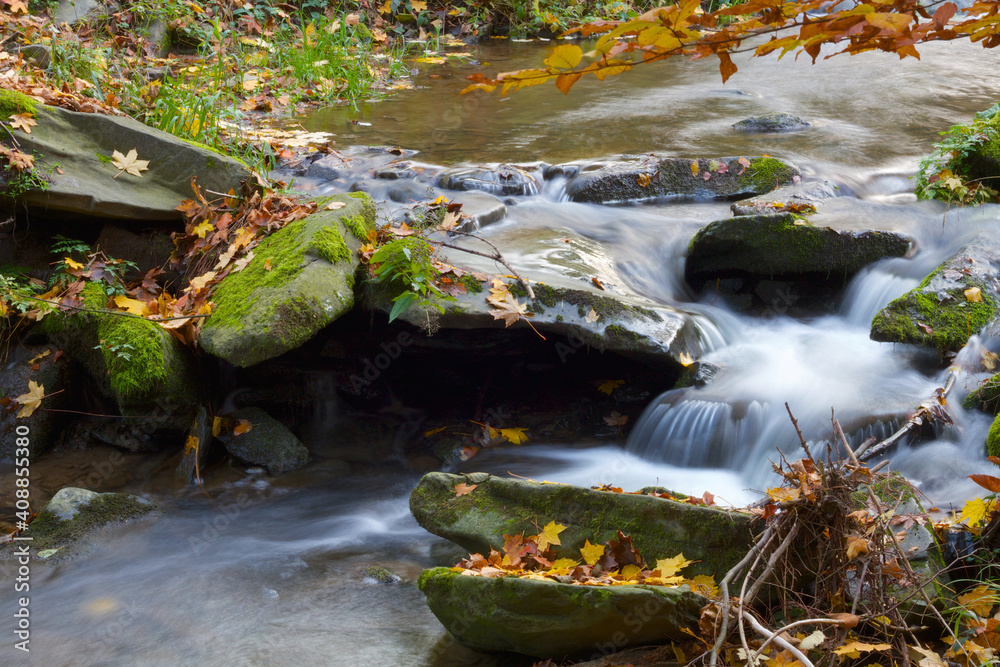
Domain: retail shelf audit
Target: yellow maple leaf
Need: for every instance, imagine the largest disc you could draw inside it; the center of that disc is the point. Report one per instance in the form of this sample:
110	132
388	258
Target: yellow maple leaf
609	386
202	229
685	359
694	168
133	306
71	263
30	401
549	535
781	494
129	164
704	584
563	565
669	567
202	280
191	445
629	572
855	649
973	294
514	436
592	316
782	659
974	513
418	6
979	600
591	552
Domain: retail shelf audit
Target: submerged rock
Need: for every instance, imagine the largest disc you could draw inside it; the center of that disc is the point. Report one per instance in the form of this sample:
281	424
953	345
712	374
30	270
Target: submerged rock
501	180
771	122
985	397
958	299
64	529
715	539
655	177
81	144
547	619
268	443
784	245
260	314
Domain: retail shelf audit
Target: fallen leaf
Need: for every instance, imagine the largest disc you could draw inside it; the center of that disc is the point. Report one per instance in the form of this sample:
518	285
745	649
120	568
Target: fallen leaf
608	386
130	164
980	600
549	535
202	229
514	436
782	494
192	443
973	294
30	401
464	489
216	426
616	419
38	357
988	482
812	641
685	359
592	316
242	427
202	280
854	649
334	205
131	305
591	552
856	546
509	310
669	567
22	121
644	180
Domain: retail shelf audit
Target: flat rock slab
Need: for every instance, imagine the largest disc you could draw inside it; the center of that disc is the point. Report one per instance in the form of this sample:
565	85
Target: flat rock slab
784	245
261	313
795	198
81	145
496	179
654	177
938	313
715	539
547	619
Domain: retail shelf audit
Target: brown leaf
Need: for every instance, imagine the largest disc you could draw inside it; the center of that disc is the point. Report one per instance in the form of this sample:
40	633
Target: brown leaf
22	121
464	489
988	482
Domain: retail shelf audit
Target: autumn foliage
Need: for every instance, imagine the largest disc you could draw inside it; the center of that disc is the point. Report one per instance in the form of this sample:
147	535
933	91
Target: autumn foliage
769	26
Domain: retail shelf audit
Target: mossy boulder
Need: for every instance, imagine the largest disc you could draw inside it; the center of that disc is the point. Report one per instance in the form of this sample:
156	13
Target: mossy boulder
65	528
135	361
993	439
715	539
548	619
985	397
658	177
85	183
938	313
268	443
37	363
300	280
784	245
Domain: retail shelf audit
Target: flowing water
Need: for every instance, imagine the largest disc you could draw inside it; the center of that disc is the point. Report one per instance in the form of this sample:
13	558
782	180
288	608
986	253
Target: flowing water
270	572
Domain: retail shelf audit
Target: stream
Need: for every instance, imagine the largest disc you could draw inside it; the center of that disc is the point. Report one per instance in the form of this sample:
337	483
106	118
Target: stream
269	572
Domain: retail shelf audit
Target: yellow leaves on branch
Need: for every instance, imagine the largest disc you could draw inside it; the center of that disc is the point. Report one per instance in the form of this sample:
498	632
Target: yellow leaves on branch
796	25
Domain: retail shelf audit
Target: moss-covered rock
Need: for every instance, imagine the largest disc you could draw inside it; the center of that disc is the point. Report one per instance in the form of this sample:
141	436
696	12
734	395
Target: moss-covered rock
783	245
713	538
547	619
132	360
65	527
985	397
81	145
937	313
268	443
648	179
308	282
993	439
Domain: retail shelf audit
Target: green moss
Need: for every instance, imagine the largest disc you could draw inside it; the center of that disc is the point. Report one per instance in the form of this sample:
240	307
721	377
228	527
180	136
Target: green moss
360	226
985	397
368	210
49	531
285	252
606	307
951	323
132	347
993	439
620	334
13	102
890	490
330	245
13	271
766	174
438	575
209	162
472	286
